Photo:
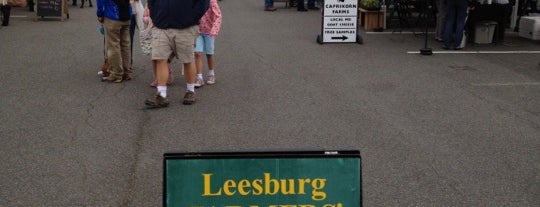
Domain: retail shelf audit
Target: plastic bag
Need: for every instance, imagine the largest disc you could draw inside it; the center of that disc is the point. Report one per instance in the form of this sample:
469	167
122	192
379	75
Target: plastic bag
139	10
146	39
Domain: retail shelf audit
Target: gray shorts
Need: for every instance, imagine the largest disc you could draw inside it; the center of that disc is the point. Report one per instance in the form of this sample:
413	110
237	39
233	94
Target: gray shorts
179	42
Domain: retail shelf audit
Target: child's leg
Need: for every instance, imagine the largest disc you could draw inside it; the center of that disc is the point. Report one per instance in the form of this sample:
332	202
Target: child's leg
210	59
211	74
199	68
198	62
199	48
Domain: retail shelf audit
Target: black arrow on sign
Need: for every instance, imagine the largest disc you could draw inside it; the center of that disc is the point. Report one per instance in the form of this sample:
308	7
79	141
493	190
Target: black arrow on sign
343	38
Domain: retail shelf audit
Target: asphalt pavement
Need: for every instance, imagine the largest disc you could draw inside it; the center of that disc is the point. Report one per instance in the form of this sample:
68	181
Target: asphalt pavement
456	128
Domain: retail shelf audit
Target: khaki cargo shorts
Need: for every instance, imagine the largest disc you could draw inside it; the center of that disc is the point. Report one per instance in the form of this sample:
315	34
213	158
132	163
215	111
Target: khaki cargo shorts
179	42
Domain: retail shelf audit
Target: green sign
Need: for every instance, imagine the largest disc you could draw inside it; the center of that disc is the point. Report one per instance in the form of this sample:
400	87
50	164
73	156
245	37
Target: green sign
300	179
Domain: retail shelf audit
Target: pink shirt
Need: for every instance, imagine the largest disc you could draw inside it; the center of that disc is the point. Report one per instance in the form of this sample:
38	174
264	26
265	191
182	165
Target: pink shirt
210	23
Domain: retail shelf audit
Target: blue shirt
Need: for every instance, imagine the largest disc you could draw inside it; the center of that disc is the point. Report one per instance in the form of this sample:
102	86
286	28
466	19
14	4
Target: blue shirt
111	10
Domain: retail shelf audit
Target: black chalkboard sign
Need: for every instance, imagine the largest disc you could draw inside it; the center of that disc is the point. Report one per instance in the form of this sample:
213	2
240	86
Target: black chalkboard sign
53	8
49	7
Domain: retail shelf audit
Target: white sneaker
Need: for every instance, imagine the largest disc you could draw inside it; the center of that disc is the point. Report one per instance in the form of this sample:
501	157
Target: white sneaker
211	80
199	83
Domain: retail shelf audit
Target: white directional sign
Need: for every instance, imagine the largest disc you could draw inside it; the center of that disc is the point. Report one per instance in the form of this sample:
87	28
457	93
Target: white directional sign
340	19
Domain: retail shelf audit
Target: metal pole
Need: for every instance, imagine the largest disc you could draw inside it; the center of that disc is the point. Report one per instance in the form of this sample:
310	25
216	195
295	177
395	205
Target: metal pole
426	50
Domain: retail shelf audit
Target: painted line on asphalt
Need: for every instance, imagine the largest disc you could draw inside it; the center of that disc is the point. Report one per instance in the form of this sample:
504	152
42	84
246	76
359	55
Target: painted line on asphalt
411	32
18	16
507	84
480	52
406	32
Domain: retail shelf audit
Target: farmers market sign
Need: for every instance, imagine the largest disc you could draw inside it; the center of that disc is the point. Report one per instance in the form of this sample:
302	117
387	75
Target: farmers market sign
263	179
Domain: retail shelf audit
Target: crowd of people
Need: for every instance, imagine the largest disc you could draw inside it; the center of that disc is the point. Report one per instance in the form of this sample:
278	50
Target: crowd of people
182	30
452	16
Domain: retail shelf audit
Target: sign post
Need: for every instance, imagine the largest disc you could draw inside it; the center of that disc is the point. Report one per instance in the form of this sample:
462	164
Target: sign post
339	22
263	179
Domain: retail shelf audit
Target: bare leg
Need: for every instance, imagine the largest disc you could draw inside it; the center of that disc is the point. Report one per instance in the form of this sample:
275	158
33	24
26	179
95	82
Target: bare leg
162	72
189	76
189	73
198	62
210	59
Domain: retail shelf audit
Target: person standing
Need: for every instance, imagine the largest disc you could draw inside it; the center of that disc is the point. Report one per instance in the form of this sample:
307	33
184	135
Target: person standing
310	4
209	26
6	11
441	19
269	5
115	16
30	5
506	8
135	22
455	23
175	30
146	36
527	3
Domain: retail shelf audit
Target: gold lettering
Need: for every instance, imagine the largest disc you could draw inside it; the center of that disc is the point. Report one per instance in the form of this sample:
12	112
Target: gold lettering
268	186
257	187
267	182
332	205
227	187
301	185
317	185
290	187
207	191
242	185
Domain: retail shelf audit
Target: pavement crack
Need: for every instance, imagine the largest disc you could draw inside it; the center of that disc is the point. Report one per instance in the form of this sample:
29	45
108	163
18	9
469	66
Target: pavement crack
138	145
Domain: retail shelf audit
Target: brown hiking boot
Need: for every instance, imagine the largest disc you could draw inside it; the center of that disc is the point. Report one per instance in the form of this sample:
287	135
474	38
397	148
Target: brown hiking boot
156	101
113	79
126	77
189	98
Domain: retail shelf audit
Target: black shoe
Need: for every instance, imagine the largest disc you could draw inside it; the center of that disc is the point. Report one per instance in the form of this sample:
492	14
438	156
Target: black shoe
314	8
302	9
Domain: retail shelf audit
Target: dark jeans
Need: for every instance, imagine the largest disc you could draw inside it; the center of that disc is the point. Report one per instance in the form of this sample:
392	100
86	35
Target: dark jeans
455	22
6	11
506	15
310	4
533	4
30	5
